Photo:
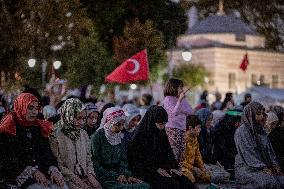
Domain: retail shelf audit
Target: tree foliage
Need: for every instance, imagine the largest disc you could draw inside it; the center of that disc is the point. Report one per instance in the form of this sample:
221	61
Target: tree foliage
111	17
266	15
136	37
191	74
89	63
43	30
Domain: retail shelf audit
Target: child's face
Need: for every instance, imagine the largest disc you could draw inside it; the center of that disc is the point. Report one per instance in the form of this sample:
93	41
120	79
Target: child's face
134	122
194	131
92	119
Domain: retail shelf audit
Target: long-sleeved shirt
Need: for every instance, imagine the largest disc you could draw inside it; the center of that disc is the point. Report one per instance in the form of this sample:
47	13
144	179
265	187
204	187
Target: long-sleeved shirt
177	112
69	153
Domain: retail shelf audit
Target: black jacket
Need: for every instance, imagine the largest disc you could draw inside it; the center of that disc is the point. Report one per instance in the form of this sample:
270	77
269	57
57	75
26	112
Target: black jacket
28	148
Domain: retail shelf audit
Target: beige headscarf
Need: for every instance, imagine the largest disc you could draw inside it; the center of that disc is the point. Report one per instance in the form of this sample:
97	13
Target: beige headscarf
271	117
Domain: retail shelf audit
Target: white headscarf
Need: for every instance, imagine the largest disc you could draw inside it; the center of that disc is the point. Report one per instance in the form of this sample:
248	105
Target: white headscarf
112	116
271	117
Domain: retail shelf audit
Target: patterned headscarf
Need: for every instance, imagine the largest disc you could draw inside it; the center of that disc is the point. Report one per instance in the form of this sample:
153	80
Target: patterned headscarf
250	111
68	112
248	119
21	103
271	117
279	111
112	116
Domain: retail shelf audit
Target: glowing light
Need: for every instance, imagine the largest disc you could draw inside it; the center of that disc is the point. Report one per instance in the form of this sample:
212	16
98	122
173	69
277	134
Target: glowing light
186	55
57	64
31	62
133	86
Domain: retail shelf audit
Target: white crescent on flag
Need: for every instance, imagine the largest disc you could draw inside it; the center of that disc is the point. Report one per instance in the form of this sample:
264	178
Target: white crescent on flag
136	66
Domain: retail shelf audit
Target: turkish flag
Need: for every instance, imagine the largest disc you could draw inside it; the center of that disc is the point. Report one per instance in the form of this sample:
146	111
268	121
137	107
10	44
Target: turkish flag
133	69
244	63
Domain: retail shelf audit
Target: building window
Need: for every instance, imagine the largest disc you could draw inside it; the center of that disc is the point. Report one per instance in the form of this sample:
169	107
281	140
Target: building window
253	79
240	37
232	80
262	80
275	81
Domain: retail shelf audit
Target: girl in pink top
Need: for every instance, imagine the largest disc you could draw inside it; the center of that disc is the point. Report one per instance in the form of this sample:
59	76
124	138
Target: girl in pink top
178	109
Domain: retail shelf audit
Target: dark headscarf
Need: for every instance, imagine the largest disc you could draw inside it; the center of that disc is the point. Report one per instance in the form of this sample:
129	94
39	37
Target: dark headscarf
154	148
155	114
279	111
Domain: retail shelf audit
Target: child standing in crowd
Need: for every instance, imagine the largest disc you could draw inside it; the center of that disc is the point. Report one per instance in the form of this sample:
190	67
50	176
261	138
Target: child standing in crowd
177	108
71	145
109	155
193	167
92	118
132	119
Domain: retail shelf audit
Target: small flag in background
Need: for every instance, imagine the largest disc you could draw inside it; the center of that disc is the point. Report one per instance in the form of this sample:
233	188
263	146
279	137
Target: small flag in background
244	63
133	69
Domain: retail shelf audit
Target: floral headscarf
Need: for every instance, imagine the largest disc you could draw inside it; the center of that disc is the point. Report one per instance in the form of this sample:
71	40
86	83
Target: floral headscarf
112	116
21	103
68	112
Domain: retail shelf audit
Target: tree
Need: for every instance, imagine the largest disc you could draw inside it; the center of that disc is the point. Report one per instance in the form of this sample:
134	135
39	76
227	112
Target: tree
136	37
191	74
267	16
89	63
111	17
44	30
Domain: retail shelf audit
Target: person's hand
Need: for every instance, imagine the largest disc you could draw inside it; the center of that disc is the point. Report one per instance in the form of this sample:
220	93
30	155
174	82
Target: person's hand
57	179
176	172
94	182
267	171
40	178
163	172
133	180
181	96
122	179
80	183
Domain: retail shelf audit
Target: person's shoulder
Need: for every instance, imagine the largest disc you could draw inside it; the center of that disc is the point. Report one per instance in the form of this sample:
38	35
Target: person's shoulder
241	131
98	134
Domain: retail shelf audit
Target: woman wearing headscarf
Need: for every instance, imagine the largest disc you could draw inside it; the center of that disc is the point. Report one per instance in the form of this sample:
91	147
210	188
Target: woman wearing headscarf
271	122
26	160
206	137
133	117
255	163
150	154
224	145
109	155
71	145
276	136
92	118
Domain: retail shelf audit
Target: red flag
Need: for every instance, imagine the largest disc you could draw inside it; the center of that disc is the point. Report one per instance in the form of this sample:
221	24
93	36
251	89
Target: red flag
244	63
132	69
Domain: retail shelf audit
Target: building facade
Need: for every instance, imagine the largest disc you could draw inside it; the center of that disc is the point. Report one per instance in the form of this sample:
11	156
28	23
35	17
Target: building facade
219	43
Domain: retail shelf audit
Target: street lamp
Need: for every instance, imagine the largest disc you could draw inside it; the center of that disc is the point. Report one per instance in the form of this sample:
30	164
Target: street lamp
31	62
186	55
57	64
